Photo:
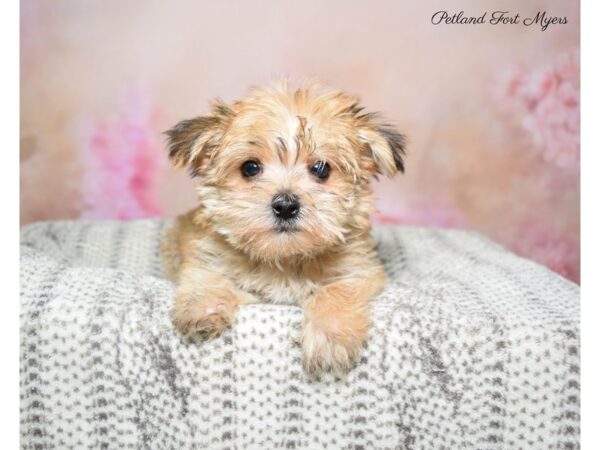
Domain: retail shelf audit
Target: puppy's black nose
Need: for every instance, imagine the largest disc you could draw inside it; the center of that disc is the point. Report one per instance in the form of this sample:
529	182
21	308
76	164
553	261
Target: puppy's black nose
285	206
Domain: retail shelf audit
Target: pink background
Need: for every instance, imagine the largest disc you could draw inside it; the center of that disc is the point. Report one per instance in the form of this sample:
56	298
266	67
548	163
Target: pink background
491	112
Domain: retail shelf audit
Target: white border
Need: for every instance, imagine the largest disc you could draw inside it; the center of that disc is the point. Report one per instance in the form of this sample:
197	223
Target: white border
9	245
590	224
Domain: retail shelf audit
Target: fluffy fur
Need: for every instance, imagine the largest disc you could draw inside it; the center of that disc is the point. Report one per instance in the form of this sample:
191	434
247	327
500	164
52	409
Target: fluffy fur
229	251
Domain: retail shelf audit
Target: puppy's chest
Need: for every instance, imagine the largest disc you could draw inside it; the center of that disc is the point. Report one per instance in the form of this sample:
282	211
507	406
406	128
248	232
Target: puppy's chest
273	286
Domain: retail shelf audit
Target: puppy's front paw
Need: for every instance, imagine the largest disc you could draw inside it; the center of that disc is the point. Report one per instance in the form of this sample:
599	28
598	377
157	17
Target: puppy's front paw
331	346
208	316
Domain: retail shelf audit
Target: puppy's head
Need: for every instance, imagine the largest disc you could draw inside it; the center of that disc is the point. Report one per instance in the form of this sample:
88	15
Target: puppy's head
285	173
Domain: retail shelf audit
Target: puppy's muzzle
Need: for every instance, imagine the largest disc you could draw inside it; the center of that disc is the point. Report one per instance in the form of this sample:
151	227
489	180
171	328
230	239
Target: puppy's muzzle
285	206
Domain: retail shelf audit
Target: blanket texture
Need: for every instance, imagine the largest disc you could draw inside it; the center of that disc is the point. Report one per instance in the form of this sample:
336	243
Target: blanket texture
472	347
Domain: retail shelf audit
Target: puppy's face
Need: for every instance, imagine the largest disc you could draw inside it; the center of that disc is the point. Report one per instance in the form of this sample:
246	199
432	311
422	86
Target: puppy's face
286	173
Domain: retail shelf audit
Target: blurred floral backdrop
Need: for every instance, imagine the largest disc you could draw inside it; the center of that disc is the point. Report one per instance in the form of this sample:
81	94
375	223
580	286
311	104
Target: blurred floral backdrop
491	112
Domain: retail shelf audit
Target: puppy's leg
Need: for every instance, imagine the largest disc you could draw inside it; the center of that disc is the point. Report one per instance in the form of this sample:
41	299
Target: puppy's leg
337	319
206	302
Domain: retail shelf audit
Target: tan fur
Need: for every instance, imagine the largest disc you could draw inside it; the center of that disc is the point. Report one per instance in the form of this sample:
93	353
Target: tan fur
227	252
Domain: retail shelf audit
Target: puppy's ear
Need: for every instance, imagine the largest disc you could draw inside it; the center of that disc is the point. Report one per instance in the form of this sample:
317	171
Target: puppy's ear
192	141
383	146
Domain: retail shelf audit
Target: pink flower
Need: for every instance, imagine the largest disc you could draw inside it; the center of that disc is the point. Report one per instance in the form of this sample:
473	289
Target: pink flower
121	163
549	100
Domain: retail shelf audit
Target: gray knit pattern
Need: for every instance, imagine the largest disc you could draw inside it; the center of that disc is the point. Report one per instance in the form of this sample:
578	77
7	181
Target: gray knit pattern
472	347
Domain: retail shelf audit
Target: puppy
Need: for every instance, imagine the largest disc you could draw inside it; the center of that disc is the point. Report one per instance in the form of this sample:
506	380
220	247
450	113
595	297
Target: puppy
283	216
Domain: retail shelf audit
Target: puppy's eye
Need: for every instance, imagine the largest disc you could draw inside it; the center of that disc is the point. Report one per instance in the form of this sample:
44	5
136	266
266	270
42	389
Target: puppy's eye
320	169
251	168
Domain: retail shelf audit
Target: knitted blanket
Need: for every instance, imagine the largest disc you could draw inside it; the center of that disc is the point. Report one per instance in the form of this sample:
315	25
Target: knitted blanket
472	347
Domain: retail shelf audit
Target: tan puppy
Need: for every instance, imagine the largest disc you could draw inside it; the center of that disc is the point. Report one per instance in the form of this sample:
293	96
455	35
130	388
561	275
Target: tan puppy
283	182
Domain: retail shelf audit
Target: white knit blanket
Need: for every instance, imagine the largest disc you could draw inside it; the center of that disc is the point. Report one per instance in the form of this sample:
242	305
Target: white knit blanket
472	347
